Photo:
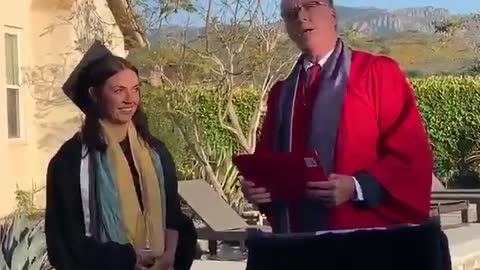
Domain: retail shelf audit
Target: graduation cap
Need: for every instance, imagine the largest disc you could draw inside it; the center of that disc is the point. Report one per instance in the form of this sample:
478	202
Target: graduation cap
75	87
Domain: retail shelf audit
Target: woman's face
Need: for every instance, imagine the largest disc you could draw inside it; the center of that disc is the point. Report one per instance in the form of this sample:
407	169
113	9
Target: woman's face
121	96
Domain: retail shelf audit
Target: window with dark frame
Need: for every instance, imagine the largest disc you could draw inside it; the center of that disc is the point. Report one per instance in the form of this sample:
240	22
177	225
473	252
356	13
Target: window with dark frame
12	70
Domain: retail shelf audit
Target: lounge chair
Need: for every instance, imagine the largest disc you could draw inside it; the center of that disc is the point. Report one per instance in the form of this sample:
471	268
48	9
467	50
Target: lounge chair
438	207
222	222
471	196
444	201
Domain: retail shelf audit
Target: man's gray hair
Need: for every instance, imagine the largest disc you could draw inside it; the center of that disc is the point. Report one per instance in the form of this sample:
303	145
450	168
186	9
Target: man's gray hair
329	2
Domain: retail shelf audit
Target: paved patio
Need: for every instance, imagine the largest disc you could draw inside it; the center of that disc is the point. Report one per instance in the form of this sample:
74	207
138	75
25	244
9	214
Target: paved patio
216	265
464	241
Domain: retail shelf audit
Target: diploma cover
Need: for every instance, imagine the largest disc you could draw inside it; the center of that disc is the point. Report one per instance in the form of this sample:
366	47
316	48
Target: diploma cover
283	174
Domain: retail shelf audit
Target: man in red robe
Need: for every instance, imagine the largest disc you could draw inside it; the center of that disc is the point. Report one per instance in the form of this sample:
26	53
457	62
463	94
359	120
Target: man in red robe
358	111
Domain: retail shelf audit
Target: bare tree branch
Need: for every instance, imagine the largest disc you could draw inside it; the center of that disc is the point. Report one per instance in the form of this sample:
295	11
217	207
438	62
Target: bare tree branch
239	48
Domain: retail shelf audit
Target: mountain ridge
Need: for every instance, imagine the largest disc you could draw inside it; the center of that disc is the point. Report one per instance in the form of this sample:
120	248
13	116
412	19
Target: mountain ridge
376	21
367	20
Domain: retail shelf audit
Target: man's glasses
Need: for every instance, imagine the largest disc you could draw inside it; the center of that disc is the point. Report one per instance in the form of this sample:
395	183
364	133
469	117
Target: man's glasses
291	14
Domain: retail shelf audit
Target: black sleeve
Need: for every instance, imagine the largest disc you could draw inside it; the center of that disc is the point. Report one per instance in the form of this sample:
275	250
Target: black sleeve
187	244
174	212
68	247
373	193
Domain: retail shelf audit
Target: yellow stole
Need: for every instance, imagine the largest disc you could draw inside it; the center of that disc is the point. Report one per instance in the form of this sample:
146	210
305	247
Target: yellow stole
143	229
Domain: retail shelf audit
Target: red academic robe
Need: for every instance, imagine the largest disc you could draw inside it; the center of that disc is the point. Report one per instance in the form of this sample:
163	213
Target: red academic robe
380	133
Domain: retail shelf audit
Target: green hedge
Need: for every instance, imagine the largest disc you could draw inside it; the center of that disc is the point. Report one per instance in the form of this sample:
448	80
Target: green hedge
450	107
200	110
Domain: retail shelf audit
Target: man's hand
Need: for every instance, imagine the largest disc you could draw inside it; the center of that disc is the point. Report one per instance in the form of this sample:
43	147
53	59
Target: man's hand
335	191
255	195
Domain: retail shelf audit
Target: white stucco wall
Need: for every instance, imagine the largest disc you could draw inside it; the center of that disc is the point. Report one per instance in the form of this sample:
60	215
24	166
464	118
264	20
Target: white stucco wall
48	52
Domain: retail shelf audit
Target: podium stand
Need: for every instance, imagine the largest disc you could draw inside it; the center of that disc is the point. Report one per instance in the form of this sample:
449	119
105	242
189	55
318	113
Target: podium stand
406	247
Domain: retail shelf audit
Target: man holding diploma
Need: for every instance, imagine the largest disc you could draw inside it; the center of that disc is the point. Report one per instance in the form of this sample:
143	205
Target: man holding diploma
358	112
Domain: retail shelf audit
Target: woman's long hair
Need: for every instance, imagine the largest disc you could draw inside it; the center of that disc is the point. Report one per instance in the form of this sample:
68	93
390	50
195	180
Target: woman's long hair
95	75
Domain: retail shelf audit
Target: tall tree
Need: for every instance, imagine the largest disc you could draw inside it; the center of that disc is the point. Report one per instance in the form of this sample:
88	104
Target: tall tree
467	28
152	14
239	46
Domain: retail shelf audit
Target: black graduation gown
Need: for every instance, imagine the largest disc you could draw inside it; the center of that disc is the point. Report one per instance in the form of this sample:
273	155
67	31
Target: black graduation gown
68	247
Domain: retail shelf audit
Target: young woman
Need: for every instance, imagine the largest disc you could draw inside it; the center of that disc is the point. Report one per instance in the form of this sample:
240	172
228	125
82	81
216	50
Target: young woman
112	198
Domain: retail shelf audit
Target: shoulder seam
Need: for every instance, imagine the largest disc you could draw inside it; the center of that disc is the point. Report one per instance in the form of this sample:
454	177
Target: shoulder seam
371	60
66	146
374	60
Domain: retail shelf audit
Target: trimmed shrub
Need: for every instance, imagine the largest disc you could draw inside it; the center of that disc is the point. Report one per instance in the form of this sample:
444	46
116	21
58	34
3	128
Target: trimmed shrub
450	107
201	110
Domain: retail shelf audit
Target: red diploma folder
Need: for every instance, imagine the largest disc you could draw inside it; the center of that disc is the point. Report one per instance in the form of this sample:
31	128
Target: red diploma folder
284	175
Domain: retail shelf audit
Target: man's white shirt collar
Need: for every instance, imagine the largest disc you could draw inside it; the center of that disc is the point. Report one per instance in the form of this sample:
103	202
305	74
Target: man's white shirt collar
307	63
